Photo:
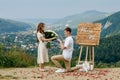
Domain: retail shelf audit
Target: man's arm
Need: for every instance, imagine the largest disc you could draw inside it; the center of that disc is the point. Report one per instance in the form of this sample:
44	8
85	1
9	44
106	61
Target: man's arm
61	44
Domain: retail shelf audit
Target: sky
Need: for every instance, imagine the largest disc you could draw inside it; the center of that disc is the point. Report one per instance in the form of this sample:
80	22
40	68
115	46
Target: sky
53	8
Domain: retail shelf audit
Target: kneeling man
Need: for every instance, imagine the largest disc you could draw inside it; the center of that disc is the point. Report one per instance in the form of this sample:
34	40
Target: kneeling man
66	56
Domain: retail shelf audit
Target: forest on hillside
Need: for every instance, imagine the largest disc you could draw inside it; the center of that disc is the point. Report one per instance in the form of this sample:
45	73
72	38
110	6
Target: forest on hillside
107	54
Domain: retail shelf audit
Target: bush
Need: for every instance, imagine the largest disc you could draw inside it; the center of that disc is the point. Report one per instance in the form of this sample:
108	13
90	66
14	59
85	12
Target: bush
118	64
16	58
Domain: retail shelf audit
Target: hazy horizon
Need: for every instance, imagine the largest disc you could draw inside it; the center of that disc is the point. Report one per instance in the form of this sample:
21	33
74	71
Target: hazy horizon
27	9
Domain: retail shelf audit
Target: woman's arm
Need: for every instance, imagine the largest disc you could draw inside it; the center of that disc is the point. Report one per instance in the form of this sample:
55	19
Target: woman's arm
45	40
40	37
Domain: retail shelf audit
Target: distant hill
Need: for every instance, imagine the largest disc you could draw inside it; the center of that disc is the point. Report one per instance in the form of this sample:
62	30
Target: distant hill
88	16
110	25
38	20
7	25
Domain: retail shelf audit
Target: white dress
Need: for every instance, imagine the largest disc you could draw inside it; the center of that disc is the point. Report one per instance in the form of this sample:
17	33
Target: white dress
42	50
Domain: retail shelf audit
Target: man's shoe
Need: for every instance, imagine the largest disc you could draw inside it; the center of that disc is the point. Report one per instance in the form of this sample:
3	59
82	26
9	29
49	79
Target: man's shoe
60	71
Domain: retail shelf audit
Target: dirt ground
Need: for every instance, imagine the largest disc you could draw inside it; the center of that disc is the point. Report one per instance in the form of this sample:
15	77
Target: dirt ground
35	74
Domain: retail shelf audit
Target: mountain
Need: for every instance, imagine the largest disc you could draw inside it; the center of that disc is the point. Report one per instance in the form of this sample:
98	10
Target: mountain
110	25
38	20
7	25
88	16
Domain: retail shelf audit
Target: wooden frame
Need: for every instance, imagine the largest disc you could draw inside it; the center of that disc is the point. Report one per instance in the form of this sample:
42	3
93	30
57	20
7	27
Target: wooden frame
88	34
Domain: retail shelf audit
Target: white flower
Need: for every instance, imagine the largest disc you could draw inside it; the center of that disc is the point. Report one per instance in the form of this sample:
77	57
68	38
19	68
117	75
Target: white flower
52	32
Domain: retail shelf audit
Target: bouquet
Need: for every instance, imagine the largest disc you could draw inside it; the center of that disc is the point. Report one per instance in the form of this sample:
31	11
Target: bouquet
50	34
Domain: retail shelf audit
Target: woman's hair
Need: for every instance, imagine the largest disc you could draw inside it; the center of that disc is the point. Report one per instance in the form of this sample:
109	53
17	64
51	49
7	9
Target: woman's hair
40	29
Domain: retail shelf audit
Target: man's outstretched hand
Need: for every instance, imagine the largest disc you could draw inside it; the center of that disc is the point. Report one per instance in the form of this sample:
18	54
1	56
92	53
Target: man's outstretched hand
59	41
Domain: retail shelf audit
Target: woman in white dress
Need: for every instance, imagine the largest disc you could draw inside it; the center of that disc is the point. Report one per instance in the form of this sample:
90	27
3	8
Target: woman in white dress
42	56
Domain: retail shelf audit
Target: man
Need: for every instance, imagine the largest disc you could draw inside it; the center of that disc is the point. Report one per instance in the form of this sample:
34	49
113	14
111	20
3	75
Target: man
66	56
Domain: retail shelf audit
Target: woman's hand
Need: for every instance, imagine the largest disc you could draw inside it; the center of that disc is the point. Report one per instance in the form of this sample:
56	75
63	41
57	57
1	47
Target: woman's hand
47	40
53	38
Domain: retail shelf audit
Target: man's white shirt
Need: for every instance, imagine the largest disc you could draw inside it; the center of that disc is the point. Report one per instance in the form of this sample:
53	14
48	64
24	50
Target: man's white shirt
67	53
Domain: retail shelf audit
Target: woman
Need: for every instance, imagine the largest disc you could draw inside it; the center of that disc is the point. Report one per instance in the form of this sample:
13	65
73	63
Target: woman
42	56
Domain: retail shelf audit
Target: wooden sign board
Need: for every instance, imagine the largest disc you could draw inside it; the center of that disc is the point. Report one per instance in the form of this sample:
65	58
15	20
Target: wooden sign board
88	34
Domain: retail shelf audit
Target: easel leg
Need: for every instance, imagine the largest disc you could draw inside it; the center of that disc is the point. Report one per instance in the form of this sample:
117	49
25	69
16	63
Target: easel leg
80	54
90	54
93	55
86	54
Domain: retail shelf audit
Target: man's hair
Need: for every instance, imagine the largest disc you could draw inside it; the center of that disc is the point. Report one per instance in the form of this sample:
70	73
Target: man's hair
68	29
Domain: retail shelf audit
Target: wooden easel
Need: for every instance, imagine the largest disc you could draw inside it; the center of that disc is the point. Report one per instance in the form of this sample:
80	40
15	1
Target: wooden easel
89	55
88	35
